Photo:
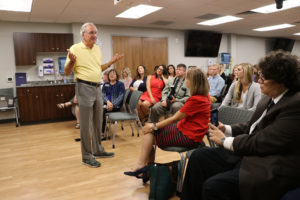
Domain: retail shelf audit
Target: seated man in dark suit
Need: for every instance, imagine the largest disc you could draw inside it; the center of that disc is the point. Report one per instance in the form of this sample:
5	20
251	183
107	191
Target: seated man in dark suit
260	158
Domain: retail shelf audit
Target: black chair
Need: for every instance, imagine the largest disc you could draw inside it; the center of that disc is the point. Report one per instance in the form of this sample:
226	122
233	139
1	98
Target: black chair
182	163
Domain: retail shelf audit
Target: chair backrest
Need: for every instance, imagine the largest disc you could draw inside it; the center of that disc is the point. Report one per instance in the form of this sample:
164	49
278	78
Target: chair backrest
7	91
134	99
223	91
124	99
232	115
6	97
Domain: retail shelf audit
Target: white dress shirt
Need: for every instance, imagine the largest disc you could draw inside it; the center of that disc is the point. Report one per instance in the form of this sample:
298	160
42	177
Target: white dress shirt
228	131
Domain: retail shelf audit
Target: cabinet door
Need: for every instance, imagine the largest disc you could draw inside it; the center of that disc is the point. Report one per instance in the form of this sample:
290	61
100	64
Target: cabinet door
63	41
53	42
30	104
66	93
24	47
44	42
24	110
59	94
51	100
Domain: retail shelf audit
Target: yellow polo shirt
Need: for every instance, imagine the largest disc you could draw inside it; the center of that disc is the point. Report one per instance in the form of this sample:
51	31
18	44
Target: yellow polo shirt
88	62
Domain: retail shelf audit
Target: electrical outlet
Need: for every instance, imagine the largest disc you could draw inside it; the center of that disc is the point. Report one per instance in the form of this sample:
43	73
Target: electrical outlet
9	79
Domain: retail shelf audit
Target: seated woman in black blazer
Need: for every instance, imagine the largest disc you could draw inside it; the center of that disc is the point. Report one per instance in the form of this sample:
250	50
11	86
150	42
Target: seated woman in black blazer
139	83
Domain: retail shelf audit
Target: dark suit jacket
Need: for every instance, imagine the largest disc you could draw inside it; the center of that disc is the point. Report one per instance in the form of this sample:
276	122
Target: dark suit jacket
271	154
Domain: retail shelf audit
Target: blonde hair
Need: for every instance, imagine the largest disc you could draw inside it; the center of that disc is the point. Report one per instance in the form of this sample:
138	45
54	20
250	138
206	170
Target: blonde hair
221	69
235	66
247	78
198	82
127	70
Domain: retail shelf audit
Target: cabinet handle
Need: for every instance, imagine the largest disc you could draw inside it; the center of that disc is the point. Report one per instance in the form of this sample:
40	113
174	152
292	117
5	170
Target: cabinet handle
57	48
52	48
57	95
62	95
36	97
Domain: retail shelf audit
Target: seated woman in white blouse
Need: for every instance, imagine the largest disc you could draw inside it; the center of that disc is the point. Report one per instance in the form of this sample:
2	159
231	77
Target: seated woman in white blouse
139	83
243	93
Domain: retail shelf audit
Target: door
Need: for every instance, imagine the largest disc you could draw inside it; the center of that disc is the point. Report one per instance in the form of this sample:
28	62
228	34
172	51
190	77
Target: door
155	52
140	51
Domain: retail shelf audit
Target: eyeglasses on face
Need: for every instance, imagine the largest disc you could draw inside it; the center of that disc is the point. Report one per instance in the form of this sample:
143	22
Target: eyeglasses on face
92	33
261	77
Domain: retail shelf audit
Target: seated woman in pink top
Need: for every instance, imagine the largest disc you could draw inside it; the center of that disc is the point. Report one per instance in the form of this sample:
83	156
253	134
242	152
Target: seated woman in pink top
155	84
184	129
126	77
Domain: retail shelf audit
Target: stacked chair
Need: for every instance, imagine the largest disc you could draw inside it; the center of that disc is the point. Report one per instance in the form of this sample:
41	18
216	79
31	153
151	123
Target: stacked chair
9	102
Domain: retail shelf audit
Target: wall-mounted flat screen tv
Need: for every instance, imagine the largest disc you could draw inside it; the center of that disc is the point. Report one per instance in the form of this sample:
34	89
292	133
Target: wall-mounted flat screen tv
202	43
283	44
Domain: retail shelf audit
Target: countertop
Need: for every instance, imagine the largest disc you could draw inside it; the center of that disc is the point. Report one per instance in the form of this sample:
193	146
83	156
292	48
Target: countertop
44	83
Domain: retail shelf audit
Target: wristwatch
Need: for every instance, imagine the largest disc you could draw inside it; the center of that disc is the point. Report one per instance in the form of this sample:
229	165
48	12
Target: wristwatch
155	127
150	126
223	140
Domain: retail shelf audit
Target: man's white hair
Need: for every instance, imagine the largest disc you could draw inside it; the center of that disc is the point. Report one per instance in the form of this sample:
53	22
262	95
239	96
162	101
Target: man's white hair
83	27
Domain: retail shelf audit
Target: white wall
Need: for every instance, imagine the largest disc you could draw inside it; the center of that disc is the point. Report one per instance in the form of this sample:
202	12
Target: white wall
249	49
242	48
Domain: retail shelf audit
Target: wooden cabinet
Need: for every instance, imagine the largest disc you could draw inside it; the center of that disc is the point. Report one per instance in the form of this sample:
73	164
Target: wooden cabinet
24	48
27	44
30	103
53	42
39	103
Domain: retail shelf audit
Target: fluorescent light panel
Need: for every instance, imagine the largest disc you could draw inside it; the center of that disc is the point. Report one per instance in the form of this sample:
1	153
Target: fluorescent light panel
297	34
219	20
287	4
138	11
275	27
16	5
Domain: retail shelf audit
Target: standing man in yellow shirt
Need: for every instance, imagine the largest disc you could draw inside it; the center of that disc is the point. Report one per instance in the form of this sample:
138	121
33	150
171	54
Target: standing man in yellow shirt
85	58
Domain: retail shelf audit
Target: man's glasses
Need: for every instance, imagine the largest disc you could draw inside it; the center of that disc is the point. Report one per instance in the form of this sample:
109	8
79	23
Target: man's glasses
92	33
261	77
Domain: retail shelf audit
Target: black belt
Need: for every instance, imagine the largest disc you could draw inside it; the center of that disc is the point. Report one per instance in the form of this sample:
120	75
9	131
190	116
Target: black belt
89	83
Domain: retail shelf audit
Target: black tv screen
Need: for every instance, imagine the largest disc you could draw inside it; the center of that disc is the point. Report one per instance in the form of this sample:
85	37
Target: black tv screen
202	43
283	44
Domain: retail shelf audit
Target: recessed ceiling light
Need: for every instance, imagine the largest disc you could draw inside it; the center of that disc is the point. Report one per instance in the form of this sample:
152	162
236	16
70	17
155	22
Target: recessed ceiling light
220	20
138	11
297	34
275	27
287	4
16	5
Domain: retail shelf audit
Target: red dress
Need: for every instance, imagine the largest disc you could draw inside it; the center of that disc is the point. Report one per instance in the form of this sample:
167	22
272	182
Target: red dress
156	86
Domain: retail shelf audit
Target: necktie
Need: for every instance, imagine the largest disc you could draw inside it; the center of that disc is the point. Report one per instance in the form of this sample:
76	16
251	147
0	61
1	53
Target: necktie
271	103
254	125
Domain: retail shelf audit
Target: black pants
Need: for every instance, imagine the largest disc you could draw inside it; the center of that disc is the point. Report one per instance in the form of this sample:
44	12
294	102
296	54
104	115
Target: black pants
212	173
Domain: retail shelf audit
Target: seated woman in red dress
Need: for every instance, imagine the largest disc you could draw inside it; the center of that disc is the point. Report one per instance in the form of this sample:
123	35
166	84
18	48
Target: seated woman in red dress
192	118
155	84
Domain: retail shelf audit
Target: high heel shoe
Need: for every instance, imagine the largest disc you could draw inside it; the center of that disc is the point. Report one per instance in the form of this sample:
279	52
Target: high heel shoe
145	177
137	172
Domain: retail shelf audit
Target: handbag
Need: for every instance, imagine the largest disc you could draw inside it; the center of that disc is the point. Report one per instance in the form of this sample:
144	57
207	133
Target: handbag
163	179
